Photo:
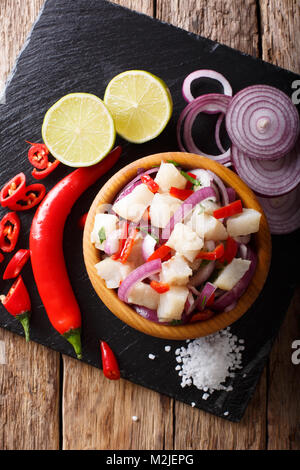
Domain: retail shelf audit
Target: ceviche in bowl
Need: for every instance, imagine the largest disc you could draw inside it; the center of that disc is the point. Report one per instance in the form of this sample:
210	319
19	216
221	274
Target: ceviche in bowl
177	246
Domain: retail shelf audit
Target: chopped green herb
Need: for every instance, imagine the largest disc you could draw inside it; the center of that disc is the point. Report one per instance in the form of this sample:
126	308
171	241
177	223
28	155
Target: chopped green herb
203	302
102	235
172	161
190	178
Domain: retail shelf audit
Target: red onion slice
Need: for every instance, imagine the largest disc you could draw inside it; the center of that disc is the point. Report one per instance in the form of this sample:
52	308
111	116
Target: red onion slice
269	177
212	104
202	274
217	133
221	186
186	87
283	212
139	274
231	195
207	291
263	122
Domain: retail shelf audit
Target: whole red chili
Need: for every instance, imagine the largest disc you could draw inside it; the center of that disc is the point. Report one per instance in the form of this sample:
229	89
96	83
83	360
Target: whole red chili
109	362
13	191
16	264
10	227
41	174
38	155
46	247
34	193
17	303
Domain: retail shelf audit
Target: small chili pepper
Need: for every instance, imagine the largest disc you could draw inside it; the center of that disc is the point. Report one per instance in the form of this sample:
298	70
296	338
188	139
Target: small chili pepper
109	362
33	195
38	155
181	194
122	241
150	183
127	249
230	251
162	252
233	208
202	316
212	255
17	303
13	191
160	287
41	174
82	220
10	227
16	264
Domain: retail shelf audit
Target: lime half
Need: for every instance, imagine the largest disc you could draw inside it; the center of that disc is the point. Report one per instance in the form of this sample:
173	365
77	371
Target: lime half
140	104
79	130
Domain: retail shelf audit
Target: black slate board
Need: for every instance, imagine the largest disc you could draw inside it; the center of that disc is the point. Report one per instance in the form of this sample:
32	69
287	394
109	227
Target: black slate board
79	45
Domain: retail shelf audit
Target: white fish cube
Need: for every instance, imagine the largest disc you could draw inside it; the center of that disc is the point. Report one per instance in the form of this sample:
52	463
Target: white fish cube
108	222
171	303
244	223
163	206
168	176
185	241
133	206
176	271
113	272
232	273
143	294
208	227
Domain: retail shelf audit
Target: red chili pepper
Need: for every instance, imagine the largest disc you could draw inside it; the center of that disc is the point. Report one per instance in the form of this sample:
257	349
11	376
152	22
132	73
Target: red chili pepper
230	251
160	287
202	316
13	191
46	247
150	183
41	174
38	155
109	362
10	227
212	255
127	249
17	303
16	264
233	208
162	252
82	220
181	194
189	184
122	241
34	193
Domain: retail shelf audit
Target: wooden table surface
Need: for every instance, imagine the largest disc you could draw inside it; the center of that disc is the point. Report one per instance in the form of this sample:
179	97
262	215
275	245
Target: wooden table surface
49	401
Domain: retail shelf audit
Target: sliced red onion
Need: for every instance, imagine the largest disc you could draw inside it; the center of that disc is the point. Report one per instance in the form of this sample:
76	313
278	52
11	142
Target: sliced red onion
139	274
186	207
202	274
146	313
221	186
230	307
111	244
231	195
283	212
133	183
207	291
243	249
217	133
262	122
211	104
190	304
238	290
186	87
269	177
148	246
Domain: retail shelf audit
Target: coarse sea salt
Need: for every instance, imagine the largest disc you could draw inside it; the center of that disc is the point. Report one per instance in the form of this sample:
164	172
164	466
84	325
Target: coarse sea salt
207	362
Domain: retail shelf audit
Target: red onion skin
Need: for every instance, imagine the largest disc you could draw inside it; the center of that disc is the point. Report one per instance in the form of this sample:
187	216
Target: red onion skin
207	291
140	273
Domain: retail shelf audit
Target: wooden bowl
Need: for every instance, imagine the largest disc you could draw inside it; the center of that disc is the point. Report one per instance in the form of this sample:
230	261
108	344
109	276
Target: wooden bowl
123	311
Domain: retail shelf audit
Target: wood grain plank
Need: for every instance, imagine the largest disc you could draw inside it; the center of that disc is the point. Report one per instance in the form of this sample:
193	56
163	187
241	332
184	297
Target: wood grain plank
280	29
233	23
29	379
97	413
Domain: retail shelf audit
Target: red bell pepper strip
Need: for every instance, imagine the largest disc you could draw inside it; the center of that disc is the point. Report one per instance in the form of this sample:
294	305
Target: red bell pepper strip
160	287
109	362
34	193
38	155
41	174
150	183
127	249
10	227
16	264
82	220
162	252
233	208
17	303
212	255
122	241
46	247
181	194
230	251
202	316
13	191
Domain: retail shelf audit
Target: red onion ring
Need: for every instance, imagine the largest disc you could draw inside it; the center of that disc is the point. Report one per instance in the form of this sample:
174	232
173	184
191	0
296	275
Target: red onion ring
202	274
207	291
221	186
283	212
217	133
186	87
269	177
211	104
139	274
263	122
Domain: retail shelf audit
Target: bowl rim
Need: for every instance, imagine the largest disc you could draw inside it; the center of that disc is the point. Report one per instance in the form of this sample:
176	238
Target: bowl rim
123	311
